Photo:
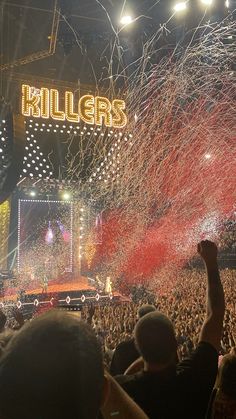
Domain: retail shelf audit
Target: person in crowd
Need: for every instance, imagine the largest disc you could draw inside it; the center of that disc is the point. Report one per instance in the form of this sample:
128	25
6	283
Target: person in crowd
3	320
223	400
126	352
5	337
165	388
53	369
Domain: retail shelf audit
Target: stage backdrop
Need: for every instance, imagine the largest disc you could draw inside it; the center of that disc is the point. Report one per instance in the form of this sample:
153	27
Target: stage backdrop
45	239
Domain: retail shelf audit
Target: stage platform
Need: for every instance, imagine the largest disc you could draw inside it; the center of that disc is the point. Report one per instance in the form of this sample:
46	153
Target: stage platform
76	291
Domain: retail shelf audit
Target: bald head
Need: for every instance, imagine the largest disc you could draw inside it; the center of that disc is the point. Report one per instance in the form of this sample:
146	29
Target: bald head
52	369
155	338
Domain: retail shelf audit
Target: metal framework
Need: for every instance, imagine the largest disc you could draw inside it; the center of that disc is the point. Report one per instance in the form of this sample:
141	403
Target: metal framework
40	54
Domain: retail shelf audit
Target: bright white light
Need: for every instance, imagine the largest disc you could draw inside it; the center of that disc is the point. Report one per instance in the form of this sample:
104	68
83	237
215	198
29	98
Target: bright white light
179	7
32	193
227	3
207	2
207	156
19	304
126	20
66	196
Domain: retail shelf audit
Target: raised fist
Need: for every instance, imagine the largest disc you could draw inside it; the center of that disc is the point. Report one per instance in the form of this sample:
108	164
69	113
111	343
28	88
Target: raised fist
208	251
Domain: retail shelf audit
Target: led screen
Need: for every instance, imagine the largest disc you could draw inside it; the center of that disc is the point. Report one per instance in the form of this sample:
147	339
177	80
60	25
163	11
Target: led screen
45	244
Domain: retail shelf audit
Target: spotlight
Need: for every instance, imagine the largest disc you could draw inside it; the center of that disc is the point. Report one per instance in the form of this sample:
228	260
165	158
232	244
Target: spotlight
181	6
126	20
207	2
33	193
207	156
227	3
66	196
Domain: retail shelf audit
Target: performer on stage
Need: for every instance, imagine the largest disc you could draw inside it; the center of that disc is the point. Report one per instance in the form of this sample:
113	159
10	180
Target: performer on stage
45	284
108	287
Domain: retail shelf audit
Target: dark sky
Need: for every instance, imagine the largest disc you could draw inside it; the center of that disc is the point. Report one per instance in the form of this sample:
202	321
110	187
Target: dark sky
85	40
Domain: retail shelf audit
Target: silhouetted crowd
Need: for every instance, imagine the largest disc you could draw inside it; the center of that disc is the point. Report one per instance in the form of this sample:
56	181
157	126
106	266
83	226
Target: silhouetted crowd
172	357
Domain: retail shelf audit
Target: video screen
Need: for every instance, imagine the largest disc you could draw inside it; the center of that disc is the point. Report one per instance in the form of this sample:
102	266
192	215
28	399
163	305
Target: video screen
45	242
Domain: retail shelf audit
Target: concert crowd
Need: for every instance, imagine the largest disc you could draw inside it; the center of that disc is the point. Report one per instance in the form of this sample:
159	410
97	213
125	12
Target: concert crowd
184	305
168	354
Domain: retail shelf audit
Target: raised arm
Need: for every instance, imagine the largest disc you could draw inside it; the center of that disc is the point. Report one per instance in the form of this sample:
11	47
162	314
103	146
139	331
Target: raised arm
215	306
118	404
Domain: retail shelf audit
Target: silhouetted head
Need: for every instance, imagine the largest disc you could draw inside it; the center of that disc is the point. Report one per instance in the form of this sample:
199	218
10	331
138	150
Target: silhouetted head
52	369
155	339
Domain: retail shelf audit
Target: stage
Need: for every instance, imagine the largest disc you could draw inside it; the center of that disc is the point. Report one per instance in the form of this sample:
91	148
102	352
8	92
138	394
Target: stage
76	291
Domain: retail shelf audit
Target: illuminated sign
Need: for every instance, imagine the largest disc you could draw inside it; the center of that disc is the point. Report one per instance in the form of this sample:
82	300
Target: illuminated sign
94	110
